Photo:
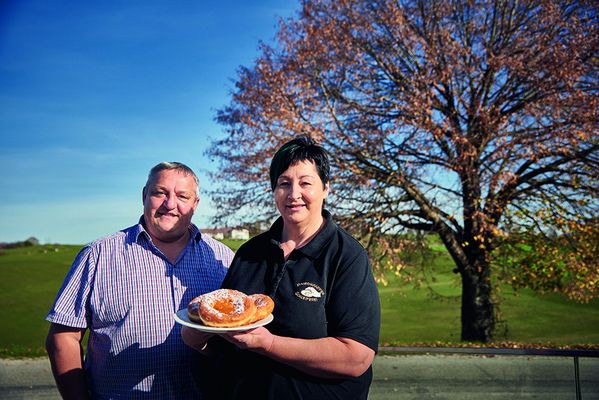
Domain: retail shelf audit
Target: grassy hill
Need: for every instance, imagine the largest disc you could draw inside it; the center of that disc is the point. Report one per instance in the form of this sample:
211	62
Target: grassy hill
29	280
30	277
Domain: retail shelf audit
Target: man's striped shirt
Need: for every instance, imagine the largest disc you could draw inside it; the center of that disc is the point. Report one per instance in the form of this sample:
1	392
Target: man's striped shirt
125	292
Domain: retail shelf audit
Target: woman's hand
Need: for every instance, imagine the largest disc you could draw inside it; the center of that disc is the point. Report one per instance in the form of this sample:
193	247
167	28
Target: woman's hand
195	339
259	339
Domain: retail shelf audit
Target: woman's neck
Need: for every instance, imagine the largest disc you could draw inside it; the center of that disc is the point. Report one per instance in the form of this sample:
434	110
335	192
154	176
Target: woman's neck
295	236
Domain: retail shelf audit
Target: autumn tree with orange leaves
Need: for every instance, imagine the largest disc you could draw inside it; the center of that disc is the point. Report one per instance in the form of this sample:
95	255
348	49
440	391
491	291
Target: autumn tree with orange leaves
473	120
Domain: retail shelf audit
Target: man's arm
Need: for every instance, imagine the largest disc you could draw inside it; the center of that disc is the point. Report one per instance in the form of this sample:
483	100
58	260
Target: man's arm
63	345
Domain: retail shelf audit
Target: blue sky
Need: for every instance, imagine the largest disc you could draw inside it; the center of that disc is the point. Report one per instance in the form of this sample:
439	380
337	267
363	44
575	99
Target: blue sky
93	94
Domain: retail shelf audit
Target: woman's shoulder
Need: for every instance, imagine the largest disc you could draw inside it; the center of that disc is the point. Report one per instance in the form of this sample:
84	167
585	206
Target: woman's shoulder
262	241
344	248
348	240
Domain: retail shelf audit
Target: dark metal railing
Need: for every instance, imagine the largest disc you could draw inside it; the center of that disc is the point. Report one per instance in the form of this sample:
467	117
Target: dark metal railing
574	353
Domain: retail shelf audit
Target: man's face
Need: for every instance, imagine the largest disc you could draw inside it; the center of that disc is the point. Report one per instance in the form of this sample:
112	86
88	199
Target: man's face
169	200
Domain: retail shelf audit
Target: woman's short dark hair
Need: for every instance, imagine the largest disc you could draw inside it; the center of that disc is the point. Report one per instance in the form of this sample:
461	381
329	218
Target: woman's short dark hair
299	149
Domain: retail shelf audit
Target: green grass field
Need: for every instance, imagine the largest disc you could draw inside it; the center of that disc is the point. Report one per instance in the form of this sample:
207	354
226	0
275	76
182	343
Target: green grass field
31	276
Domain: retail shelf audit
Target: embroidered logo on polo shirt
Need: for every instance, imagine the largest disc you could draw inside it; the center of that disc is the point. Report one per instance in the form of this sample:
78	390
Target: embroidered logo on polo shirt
309	291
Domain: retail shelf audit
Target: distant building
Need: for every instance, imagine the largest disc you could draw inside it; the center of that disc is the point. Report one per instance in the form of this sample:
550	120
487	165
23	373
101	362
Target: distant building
227	233
216	233
32	241
240	233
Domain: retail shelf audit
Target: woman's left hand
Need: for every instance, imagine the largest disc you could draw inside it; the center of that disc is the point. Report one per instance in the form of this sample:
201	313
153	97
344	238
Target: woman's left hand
258	339
194	338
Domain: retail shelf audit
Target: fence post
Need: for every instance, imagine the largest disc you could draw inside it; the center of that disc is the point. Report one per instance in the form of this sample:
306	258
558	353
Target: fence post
577	378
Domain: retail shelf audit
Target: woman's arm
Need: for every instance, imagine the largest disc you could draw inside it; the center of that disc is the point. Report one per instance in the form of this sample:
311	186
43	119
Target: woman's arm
328	357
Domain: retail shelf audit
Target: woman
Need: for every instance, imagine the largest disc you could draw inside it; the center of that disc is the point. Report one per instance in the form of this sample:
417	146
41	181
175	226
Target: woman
326	324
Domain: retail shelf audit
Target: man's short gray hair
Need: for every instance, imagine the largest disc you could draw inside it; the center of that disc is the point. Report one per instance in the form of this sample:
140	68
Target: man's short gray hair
177	166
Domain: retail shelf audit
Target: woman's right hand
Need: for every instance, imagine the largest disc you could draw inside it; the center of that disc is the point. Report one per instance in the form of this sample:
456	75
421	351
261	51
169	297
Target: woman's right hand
195	339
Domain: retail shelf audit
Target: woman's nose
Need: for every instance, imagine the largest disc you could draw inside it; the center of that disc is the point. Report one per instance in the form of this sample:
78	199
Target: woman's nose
295	192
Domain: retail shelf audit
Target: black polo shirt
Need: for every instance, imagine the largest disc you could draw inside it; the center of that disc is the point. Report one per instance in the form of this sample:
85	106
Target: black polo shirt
325	288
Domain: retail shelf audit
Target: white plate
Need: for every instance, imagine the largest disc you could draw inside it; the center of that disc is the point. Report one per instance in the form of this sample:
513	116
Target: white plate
182	318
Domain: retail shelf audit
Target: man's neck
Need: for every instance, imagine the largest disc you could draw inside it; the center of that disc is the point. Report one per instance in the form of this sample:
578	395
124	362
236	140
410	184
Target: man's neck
172	248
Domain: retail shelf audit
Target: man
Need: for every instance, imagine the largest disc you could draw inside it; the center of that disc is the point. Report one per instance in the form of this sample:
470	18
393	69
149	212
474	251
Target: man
125	289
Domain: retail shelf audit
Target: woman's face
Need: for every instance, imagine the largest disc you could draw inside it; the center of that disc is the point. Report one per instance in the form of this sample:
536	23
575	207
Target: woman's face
300	193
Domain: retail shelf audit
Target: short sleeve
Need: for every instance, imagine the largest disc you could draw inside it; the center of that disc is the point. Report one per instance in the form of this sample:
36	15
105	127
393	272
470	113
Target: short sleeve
71	305
353	309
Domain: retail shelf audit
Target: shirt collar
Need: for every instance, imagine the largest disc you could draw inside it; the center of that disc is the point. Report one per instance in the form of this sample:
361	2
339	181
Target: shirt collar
139	231
314	246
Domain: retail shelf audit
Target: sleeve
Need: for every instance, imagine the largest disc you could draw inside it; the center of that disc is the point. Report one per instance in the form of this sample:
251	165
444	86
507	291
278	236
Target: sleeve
353	308
71	307
222	253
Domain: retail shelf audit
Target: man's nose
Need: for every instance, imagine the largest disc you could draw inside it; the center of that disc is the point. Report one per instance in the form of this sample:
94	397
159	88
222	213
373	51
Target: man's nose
170	202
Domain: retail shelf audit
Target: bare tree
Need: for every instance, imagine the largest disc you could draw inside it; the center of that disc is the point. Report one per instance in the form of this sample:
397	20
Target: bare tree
475	120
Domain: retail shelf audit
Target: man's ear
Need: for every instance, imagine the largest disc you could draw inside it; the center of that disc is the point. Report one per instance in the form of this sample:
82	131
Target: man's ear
143	195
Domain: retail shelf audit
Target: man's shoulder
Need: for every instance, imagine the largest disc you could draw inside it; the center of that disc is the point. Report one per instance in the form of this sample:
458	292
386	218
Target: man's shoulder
118	238
210	241
215	244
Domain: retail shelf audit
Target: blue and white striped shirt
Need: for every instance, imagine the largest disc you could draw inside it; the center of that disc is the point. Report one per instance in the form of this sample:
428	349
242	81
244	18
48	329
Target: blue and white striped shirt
125	291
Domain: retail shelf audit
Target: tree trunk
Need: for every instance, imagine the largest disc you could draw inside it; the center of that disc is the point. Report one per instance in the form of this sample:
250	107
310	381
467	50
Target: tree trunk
478	318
